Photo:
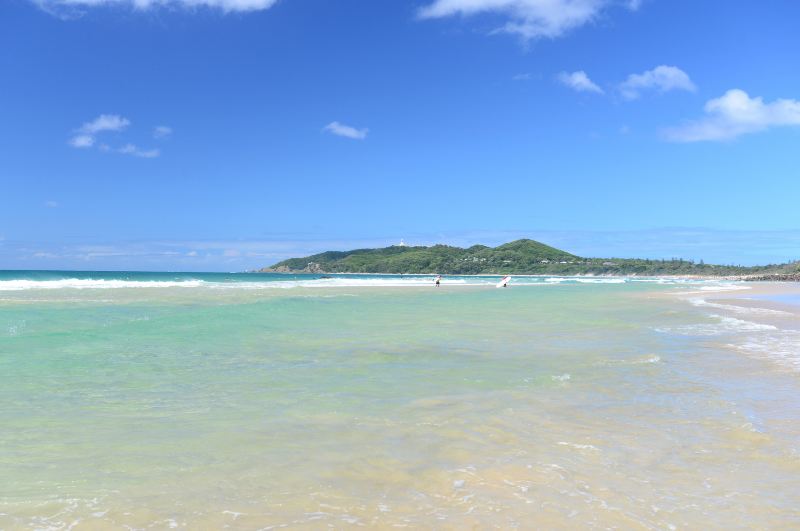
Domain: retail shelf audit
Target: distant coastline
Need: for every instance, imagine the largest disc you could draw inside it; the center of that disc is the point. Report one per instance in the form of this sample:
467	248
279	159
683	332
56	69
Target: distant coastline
778	277
520	257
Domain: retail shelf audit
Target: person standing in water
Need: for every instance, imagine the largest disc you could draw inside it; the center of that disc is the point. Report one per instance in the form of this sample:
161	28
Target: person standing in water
438	280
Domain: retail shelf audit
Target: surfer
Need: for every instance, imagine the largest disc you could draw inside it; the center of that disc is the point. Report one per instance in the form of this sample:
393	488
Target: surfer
504	282
438	280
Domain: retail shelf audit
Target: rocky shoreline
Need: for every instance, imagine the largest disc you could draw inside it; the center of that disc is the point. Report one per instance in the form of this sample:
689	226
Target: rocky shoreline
777	277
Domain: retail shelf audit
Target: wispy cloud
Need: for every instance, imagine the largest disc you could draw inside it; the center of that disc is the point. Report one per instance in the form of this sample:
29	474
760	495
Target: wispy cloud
81	141
522	77
347	131
86	136
734	114
132	149
530	19
161	131
662	78
69	9
51	204
579	81
105	122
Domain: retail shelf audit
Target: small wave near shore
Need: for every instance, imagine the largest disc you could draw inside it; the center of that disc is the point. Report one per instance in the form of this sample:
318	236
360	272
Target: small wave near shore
753	323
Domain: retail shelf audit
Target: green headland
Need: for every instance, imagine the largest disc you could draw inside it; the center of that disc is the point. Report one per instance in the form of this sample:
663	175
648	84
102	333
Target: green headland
517	257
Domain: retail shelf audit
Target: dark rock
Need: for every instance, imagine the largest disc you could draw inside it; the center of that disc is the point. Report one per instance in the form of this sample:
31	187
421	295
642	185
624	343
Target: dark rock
778	277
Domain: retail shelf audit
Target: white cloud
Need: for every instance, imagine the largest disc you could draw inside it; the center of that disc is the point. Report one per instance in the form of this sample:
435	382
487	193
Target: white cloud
522	77
73	8
162	131
579	81
86	136
529	19
662	79
346	131
105	122
81	141
86	133
734	114
132	149
51	204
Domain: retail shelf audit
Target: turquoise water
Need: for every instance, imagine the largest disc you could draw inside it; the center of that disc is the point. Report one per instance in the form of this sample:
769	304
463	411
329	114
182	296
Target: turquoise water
203	401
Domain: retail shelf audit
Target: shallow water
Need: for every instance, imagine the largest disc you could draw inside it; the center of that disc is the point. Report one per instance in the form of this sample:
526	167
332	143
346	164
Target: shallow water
558	404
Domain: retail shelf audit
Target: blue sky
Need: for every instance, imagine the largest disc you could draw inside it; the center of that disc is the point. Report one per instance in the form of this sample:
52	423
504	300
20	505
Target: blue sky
229	134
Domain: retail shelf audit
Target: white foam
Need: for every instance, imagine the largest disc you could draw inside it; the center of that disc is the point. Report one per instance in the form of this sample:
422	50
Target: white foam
741	325
758	340
724	325
343	281
579	446
781	347
714	286
724	287
336	282
737	309
82	283
76	283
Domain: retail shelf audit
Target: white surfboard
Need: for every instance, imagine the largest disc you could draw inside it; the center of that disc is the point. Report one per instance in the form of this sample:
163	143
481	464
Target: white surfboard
503	283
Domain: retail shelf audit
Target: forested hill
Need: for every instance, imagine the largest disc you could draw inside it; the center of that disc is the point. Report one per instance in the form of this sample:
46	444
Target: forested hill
519	257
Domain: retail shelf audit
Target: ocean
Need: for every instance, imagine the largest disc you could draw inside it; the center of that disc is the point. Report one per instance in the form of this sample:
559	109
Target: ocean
258	401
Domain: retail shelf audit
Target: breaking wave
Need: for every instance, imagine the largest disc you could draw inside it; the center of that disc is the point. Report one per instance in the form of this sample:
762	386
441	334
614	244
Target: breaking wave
81	283
276	281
